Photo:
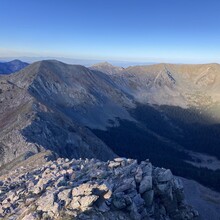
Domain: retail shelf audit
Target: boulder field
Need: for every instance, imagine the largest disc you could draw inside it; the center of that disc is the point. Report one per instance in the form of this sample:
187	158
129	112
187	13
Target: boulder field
91	189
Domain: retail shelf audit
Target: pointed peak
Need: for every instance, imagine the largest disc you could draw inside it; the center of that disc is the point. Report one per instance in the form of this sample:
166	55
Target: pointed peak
103	64
107	68
17	61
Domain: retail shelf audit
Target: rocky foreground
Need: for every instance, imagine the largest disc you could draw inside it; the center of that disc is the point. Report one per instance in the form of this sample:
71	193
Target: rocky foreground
91	189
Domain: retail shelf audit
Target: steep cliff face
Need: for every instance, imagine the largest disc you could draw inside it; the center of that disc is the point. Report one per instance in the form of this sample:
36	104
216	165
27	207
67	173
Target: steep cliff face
91	189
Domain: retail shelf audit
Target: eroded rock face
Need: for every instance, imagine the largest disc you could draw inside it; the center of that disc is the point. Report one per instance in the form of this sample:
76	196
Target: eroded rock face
91	189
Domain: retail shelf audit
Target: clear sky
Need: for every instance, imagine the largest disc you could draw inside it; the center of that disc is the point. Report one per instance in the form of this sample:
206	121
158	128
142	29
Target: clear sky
133	30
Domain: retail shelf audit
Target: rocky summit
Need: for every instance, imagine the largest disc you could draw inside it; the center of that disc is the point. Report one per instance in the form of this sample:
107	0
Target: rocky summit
91	189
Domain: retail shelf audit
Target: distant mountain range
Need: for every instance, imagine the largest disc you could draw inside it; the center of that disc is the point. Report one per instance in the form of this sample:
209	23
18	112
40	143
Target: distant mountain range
12	66
84	62
167	113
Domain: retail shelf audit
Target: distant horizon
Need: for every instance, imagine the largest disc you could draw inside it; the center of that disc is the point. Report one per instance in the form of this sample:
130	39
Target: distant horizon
85	62
90	62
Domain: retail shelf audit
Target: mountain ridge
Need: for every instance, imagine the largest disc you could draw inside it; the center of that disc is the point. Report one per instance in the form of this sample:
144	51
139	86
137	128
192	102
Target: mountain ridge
78	112
12	66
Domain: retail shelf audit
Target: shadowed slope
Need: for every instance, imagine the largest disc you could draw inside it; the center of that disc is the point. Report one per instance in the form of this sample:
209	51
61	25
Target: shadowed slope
40	106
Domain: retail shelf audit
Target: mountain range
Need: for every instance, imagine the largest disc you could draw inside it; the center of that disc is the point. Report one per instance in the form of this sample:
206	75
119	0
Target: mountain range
12	66
165	112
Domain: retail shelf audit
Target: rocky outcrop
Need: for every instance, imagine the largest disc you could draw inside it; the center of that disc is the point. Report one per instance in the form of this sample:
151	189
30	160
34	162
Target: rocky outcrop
91	189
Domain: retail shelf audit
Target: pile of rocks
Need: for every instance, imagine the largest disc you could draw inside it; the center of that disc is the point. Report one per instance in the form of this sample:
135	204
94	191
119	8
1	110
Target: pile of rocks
91	189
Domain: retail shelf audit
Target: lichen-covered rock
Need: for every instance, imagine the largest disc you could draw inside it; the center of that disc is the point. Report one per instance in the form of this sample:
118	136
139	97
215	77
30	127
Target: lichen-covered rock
91	189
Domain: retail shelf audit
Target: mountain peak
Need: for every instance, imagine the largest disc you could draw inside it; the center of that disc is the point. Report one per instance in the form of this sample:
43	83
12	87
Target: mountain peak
107	68
16	61
12	66
103	64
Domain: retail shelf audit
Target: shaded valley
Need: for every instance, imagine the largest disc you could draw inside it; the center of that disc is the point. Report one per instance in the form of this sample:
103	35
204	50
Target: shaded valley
167	136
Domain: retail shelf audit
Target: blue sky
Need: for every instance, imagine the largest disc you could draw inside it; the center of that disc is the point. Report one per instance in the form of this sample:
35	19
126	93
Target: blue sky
180	31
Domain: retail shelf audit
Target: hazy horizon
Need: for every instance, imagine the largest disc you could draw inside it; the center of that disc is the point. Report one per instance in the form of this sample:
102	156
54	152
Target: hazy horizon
90	62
